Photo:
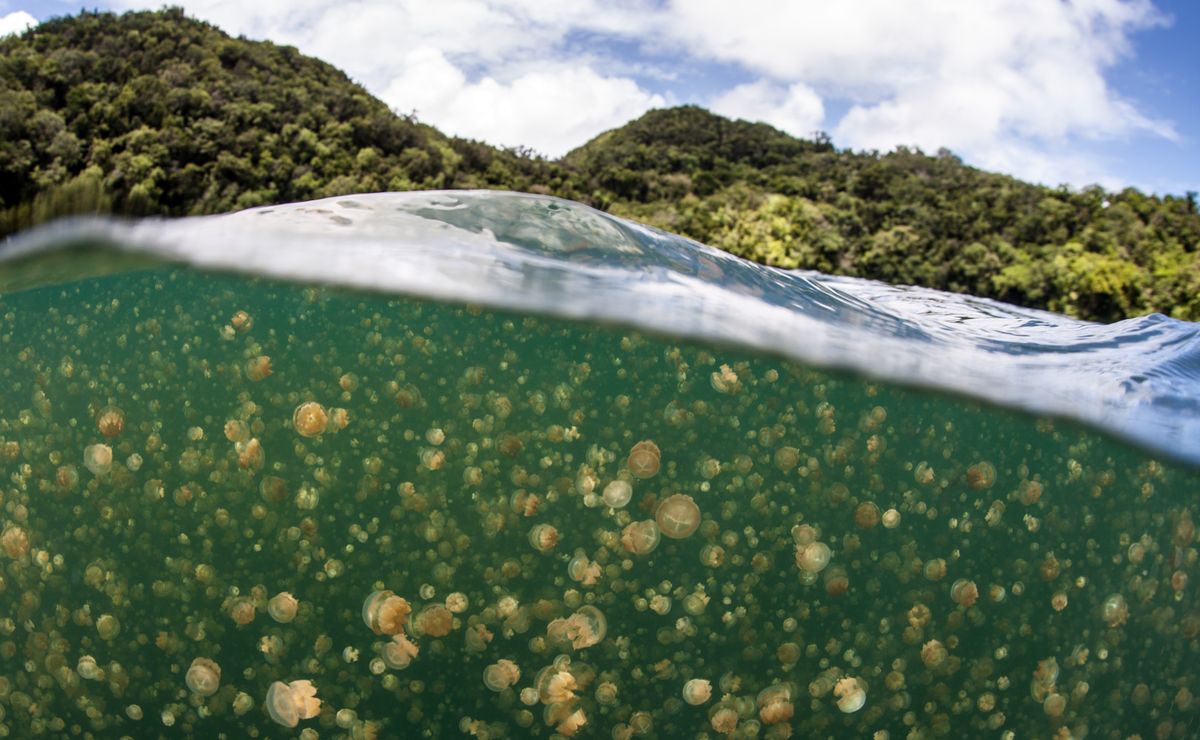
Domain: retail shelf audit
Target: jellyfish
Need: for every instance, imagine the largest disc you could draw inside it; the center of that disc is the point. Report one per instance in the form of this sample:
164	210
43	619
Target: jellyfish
385	612
310	419
775	704
14	541
203	677
500	675
851	694
282	607
98	458
110	421
678	516
399	652
288	703
543	537
258	368
644	459
813	557
964	593
572	723
241	322
641	537
434	620
697	691
242	611
617	494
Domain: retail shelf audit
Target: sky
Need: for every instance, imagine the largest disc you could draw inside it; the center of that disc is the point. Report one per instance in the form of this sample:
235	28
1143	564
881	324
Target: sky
1073	92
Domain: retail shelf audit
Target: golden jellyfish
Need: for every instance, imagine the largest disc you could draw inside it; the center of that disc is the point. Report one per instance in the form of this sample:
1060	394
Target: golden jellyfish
282	607
572	723
310	419
560	688
583	570
725	380
697	691
250	454
813	557
1115	611
110	421
14	541
434	620
964	593
258	368
203	677
457	602
500	675
288	703
108	627
981	476
851	694
339	419
866	515
617	494
236	430
543	537
775	704
933	654
640	538
644	459
586	627
935	570
724	721
98	458
891	519
385	612
242	611
677	516
67	477
399	652
241	322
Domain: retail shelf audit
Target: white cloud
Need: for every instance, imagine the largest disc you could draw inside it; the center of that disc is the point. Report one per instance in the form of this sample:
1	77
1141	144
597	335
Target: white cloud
1000	83
552	110
796	109
16	22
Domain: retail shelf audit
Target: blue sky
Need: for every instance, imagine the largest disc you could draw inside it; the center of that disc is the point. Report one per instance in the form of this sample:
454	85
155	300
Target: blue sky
1054	91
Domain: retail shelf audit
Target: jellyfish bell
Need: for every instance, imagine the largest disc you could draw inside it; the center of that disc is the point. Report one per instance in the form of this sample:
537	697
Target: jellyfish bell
500	675
434	620
310	419
385	612
203	677
697	691
241	322
282	607
288	703
641	537
813	557
258	368
851	694
399	652
242	611
14	541
543	537
110	420
644	459
236	430
617	494
98	458
677	516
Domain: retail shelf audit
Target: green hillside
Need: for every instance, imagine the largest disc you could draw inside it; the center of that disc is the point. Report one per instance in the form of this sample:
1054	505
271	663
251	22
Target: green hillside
156	113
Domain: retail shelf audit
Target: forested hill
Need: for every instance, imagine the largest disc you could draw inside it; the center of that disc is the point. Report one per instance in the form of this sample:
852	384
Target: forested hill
157	113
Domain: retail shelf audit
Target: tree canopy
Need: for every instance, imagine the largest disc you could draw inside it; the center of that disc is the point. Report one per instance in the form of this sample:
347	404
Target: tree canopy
158	113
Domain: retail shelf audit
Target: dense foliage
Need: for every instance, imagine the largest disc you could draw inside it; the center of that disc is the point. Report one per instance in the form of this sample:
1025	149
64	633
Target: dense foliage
158	113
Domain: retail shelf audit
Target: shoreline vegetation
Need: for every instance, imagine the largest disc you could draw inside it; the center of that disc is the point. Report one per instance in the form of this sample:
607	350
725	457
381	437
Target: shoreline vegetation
155	113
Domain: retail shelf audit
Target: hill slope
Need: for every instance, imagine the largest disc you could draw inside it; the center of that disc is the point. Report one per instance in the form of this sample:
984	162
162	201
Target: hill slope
157	113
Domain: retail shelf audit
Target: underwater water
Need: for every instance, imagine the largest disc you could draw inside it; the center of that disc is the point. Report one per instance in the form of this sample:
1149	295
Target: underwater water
521	469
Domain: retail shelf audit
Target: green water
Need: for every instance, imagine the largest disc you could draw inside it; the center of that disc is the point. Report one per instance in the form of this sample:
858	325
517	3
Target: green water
457	419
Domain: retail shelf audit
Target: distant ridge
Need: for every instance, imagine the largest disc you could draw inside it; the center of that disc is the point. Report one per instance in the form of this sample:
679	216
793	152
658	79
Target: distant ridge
157	113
